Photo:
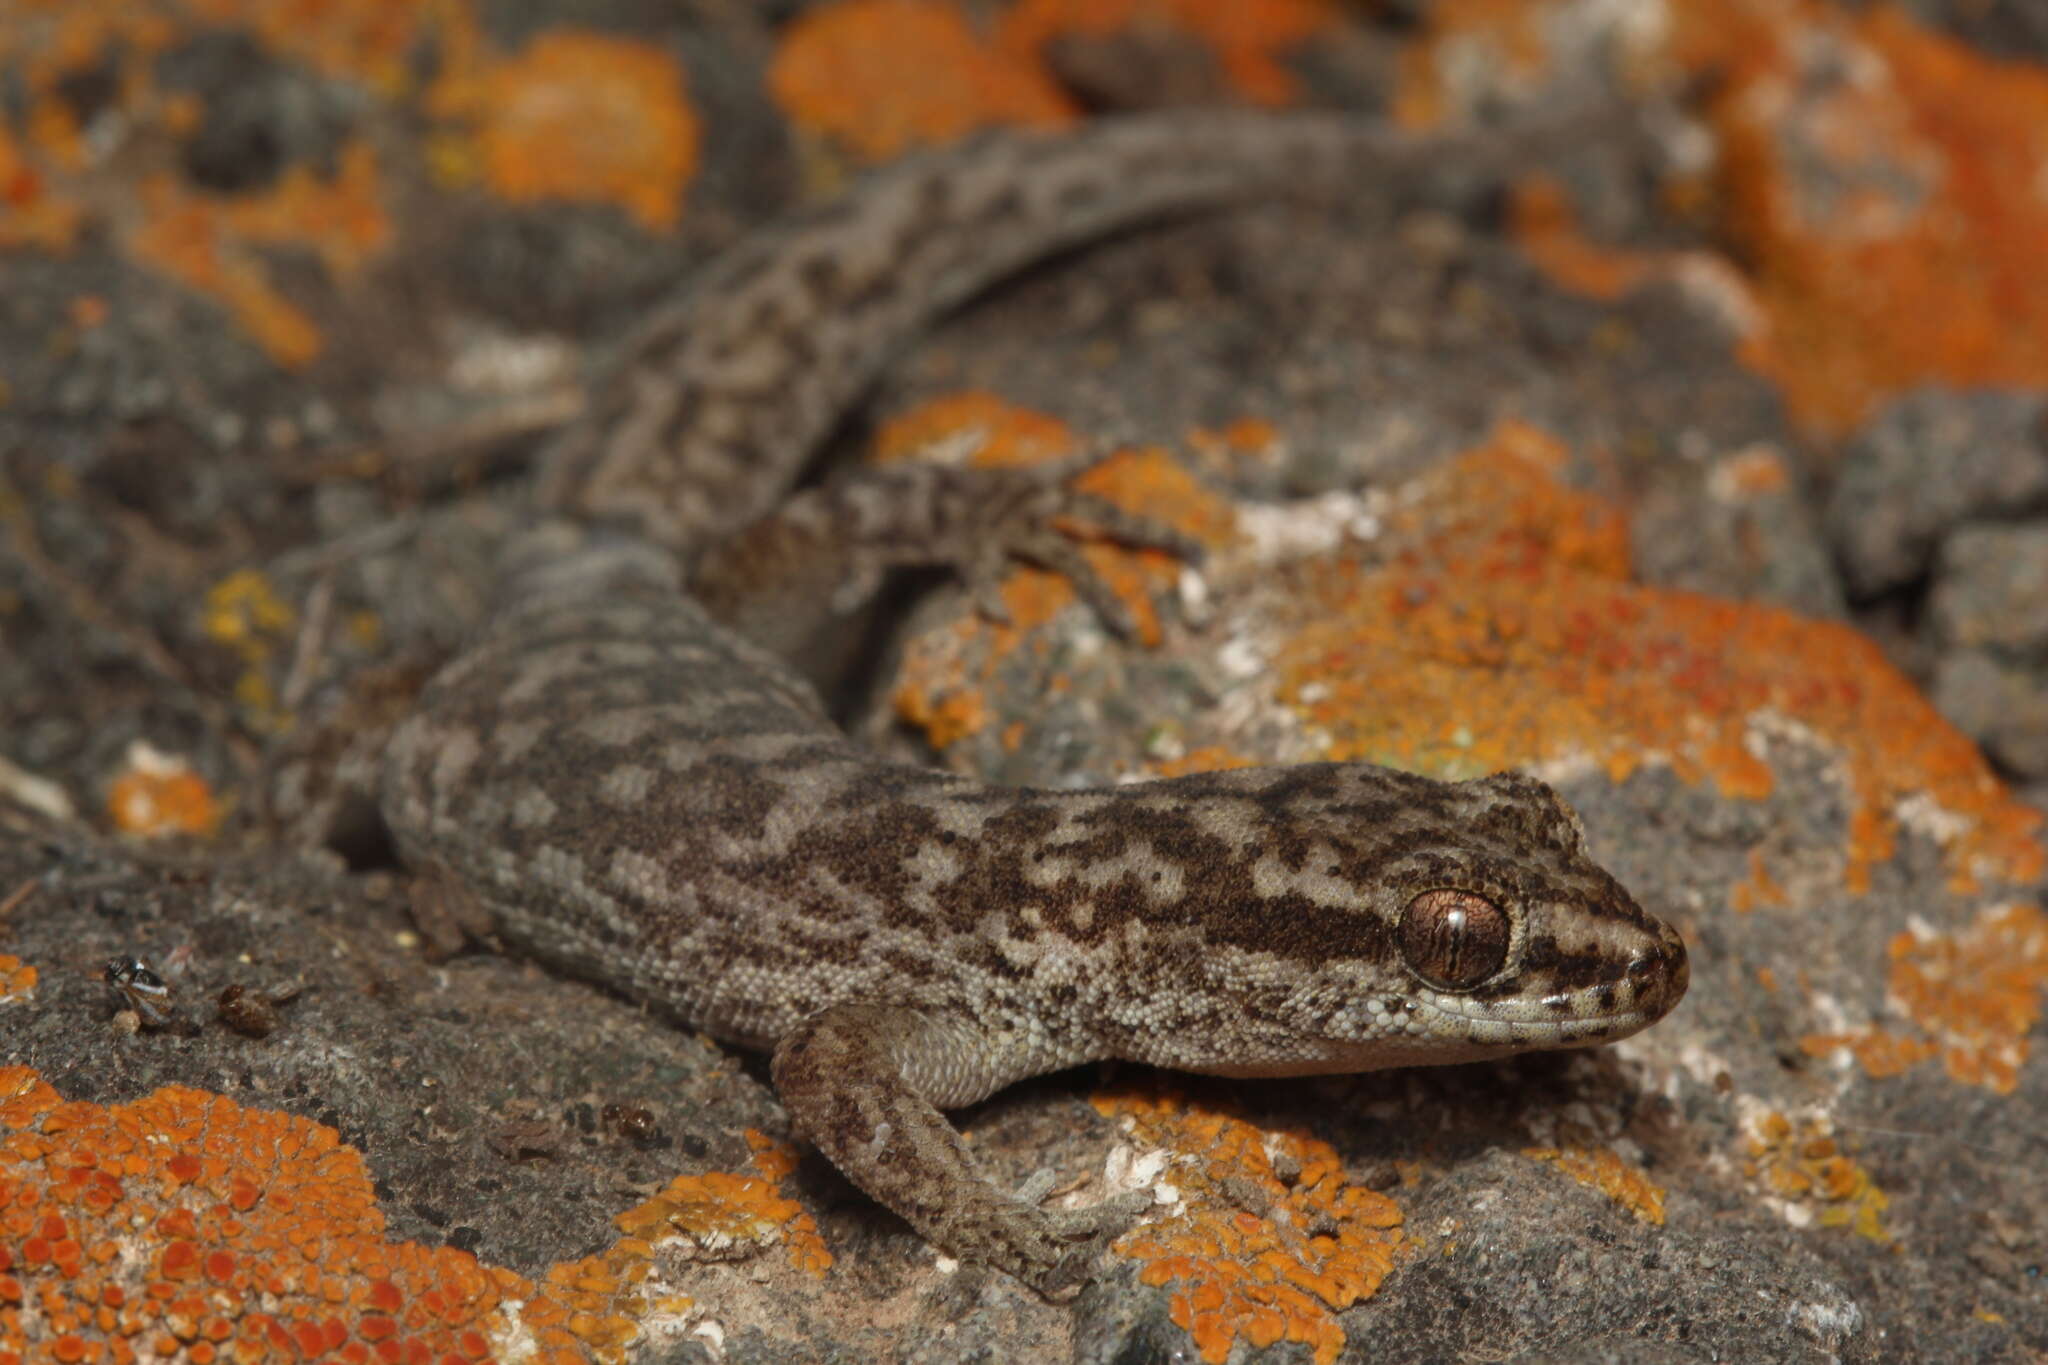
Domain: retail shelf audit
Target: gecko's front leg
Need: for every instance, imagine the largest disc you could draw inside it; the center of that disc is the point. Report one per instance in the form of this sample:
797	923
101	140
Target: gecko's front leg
865	1083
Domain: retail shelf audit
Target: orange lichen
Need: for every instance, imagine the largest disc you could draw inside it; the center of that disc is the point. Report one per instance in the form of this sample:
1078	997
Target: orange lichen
1212	758
577	117
1975	995
1500	37
1495	630
1881	181
1254	437
206	242
1803	1165
1545	224
244	613
946	716
881	76
55	39
1249	41
1547	229
372	41
32	214
594	1307
1603	1169
941	692
156	794
983	426
17	979
1758	888
1320	1244
1880	1052
185	1227
210	243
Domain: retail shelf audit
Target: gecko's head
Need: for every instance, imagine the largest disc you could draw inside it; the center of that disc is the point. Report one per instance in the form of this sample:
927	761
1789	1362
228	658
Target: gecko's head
1387	919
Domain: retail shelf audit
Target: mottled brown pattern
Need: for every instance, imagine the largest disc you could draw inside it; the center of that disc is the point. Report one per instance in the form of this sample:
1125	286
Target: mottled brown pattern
627	788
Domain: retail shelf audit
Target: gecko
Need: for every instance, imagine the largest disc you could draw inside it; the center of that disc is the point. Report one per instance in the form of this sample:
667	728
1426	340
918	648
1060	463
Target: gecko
622	777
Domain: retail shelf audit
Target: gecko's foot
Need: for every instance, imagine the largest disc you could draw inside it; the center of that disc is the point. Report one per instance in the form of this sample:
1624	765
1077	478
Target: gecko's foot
1036	515
1052	1250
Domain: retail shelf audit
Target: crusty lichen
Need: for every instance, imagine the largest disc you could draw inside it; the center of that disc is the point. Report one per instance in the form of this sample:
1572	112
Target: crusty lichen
184	1227
1269	1239
1972	998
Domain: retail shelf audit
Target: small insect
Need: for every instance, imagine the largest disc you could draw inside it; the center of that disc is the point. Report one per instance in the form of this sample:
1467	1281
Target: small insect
148	994
633	1122
252	1012
247	1012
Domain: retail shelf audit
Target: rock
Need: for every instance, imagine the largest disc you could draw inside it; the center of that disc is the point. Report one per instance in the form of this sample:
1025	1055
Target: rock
2003	707
1991	589
1928	461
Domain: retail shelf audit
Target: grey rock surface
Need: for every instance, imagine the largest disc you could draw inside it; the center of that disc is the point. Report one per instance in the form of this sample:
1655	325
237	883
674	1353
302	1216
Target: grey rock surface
1927	462
1991	589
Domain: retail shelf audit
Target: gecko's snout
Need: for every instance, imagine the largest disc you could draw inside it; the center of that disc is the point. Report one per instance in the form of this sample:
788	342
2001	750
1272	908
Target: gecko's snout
1659	973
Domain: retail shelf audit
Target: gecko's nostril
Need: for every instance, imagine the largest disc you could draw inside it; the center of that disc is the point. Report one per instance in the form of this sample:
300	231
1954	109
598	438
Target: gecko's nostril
1660	973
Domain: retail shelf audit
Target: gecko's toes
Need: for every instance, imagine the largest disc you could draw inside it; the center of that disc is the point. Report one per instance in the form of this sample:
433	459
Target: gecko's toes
1061	1249
1001	516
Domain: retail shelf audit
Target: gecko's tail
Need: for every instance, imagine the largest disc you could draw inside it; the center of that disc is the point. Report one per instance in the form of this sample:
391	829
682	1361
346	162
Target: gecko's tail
715	406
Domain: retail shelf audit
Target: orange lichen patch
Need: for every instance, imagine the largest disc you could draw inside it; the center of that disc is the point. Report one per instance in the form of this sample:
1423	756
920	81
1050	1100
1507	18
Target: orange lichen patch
1545	224
1882	180
1248	436
1504	506
598	1304
1321	1245
1547	228
209	243
1604	1170
1803	1165
17	979
206	242
54	39
946	715
1249	41
32	214
244	610
577	117
372	41
941	692
157	794
1494	630
1212	758
879	77
1880	1053
1758	888
244	613
982	426
718	1211
185	1226
1504	37
88	311
1974	995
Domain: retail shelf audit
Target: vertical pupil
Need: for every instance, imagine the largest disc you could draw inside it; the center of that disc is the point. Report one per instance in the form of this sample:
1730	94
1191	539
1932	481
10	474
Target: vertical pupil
1454	939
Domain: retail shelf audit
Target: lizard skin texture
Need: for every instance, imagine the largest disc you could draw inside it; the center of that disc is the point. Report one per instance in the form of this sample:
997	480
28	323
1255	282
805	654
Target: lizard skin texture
615	779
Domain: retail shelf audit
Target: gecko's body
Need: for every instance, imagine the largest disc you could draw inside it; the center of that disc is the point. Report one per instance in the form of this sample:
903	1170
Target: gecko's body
622	785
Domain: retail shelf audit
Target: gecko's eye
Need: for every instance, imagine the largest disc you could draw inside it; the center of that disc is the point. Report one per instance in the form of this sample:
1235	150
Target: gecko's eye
1453	939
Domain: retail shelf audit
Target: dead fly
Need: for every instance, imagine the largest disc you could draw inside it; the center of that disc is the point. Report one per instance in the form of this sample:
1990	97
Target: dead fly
148	995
